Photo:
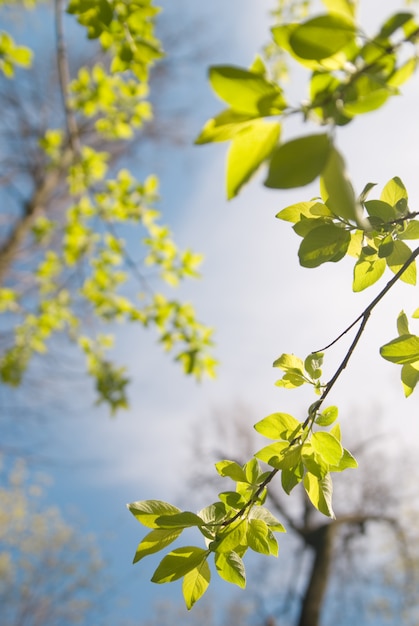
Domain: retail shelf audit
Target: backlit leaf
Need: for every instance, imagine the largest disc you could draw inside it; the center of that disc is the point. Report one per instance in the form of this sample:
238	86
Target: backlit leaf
246	91
320	493
230	568
367	271
327	446
178	563
147	511
323	244
401	253
195	583
248	150
402	350
155	540
298	162
323	36
336	188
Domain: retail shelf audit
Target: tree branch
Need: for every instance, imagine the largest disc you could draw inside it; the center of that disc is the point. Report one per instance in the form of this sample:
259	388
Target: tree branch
64	79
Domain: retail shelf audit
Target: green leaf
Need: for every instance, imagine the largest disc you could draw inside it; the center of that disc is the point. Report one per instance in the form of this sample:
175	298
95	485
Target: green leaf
403	73
346	7
367	271
273	454
313	364
327	446
402	350
380	209
401	253
323	244
214	513
411	231
346	462
230	568
185	519
320	493
298	162
195	583
155	540
394	192
410	377
289	362
248	150
233	536
277	426
327	416
147	511
402	324
291	477
245	91
224	126
231	469
323	36
365	94
313	462
336	188
395	22
296	212
178	563
262	513
260	538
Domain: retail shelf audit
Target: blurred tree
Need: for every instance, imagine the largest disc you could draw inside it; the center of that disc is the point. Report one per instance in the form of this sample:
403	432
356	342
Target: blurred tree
49	574
71	210
364	564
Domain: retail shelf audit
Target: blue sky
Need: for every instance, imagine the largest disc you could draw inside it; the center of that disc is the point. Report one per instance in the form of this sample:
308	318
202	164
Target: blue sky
261	304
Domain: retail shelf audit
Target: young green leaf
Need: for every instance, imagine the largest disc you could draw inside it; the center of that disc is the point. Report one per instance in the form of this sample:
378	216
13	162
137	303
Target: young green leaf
327	416
178	563
402	324
262	513
402	350
336	189
248	150
260	538
195	583
346	462
410	377
224	126
233	536
185	519
246	91
298	162
277	426
327	446
323	36
401	253
394	192
156	540
230	568
231	469
147	511
320	490
367	271
327	243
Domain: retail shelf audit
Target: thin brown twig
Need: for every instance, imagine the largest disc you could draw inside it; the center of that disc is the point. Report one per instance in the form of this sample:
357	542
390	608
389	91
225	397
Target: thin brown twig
64	79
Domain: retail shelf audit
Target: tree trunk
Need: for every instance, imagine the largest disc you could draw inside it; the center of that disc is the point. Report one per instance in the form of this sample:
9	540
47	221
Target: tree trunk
322	542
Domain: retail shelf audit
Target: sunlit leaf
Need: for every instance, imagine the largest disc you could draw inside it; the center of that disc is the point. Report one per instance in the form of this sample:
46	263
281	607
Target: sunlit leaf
248	150
298	162
178	563
323	244
195	583
323	36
